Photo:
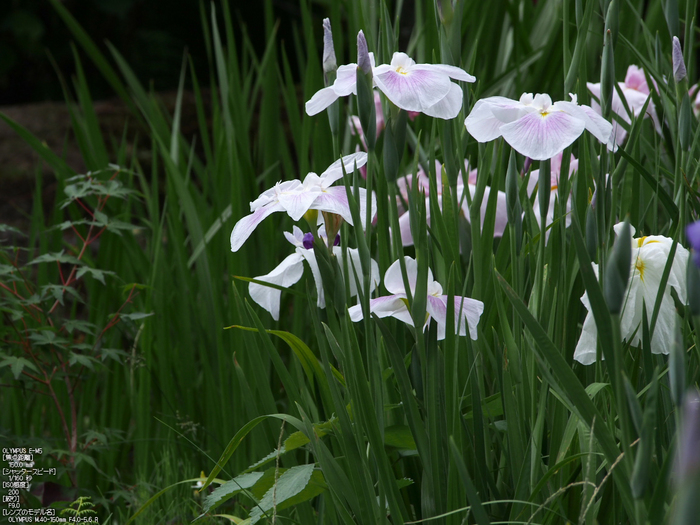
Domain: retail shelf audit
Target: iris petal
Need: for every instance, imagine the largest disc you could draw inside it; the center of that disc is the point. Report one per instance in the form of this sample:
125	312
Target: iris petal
321	100
335	170
451	71
245	226
413	90
449	106
299	202
482	124
286	274
540	137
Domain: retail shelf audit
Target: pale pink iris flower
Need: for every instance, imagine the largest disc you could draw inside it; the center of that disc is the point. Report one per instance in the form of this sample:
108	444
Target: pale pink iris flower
467	311
424	88
423	182
534	126
296	198
636	92
291	269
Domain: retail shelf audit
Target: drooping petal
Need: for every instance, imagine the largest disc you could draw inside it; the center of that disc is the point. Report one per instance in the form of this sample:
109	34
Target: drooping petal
286	274
436	307
467	314
664	331
387	306
310	257
451	71
245	226
348	162
596	125
413	90
540	137
321	100
585	352
355	269
482	124
449	106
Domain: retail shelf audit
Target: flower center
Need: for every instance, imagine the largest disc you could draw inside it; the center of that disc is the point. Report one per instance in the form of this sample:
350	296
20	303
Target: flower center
639	265
544	113
401	70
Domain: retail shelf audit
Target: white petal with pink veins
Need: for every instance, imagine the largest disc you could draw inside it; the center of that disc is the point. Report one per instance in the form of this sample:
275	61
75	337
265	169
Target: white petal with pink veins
348	162
467	314
298	203
540	137
482	123
245	226
436	307
449	106
413	90
454	72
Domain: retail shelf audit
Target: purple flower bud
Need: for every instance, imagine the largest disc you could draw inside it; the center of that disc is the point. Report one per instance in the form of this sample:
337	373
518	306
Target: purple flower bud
363	61
679	72
526	166
308	240
692	233
336	242
329	62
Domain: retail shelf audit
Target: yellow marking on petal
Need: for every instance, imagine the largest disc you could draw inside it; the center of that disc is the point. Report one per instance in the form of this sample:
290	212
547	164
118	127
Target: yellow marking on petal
401	70
544	113
642	242
554	187
639	265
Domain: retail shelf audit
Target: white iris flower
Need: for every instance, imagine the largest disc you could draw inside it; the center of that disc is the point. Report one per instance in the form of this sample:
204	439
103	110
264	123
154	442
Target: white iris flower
296	198
649	257
291	269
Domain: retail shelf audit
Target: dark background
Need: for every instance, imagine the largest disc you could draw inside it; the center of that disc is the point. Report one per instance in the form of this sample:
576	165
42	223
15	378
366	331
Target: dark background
151	35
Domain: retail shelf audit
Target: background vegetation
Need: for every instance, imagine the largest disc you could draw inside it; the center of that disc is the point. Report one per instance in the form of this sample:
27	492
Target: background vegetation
115	354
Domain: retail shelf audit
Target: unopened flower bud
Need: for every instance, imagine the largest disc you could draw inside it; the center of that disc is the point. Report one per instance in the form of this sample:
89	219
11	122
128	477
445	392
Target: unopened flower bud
607	76
363	61
679	72
618	270
365	97
329	62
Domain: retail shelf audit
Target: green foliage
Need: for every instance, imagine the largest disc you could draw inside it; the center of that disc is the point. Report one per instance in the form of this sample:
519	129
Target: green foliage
382	422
